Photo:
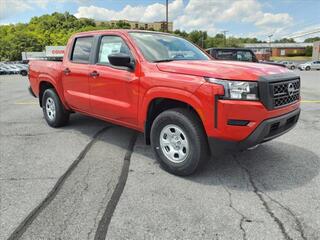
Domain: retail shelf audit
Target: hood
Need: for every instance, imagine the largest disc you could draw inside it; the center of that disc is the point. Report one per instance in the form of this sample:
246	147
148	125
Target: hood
221	69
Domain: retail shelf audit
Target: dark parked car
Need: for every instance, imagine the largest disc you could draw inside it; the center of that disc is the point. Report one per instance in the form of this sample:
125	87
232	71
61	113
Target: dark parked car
237	54
233	54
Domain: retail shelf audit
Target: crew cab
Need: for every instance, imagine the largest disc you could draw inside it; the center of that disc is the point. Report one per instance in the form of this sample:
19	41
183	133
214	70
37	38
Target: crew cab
185	103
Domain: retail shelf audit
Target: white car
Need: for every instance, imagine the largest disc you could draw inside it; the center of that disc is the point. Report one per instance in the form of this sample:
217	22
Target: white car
314	65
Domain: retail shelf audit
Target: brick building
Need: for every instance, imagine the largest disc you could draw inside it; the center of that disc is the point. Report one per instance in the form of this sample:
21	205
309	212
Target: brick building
264	50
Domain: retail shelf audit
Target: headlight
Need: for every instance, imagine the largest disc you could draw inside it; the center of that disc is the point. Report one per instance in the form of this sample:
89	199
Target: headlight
238	89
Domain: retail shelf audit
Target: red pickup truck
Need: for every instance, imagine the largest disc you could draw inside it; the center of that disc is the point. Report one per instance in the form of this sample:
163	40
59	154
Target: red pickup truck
186	103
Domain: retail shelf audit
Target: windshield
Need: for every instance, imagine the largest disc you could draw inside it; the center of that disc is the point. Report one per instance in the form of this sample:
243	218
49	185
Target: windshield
157	47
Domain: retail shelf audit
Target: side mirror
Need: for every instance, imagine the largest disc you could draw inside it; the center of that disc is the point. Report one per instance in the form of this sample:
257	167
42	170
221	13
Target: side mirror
120	60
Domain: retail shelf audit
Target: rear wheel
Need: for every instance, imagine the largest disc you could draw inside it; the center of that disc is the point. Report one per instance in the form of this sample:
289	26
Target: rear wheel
179	141
308	68
53	110
292	67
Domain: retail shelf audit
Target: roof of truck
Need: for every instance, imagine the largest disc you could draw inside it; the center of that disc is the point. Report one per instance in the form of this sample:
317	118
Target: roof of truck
117	30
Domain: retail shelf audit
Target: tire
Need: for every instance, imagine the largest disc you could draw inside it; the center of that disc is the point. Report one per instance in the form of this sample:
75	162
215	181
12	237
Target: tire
292	67
23	72
308	68
53	110
188	130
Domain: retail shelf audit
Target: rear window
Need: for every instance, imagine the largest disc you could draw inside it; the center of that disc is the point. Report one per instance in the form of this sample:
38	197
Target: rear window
225	55
234	55
82	49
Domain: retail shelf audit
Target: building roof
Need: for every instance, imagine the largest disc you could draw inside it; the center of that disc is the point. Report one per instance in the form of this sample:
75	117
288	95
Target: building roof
277	45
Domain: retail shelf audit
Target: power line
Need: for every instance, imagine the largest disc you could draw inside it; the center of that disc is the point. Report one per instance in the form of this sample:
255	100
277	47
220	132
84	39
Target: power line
301	34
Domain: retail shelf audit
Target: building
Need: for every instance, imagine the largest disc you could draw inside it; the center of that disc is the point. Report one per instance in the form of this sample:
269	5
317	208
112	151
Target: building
50	52
316	51
265	50
32	55
157	26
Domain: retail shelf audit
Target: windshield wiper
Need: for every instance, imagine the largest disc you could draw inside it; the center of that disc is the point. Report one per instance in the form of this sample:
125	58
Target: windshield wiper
164	60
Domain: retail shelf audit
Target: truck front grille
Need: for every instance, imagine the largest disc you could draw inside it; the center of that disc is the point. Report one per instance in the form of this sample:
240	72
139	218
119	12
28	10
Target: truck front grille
285	93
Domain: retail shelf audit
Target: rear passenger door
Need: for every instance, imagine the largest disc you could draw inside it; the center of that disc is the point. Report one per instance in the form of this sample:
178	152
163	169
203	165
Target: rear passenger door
75	74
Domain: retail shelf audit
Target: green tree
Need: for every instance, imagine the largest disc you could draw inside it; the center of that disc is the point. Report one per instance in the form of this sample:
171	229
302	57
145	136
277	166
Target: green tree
285	40
313	39
308	51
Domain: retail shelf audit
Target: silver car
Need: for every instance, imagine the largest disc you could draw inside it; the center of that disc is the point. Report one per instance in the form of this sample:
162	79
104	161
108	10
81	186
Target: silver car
314	65
290	65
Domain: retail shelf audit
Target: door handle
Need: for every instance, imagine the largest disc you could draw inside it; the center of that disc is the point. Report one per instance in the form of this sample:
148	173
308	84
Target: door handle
66	71
94	74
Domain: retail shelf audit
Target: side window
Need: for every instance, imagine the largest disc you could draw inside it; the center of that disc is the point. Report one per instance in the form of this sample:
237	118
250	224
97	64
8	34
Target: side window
82	49
225	55
110	45
244	56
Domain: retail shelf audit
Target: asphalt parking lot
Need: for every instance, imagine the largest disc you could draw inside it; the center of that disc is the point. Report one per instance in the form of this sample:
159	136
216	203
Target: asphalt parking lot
94	180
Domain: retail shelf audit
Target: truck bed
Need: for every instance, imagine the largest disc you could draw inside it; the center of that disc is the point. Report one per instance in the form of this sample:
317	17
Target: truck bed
43	69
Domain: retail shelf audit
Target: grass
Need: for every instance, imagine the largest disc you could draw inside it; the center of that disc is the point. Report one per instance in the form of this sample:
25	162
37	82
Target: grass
295	58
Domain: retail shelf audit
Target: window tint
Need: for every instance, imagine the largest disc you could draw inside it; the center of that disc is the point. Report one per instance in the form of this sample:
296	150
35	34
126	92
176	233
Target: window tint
111	45
235	55
225	55
82	49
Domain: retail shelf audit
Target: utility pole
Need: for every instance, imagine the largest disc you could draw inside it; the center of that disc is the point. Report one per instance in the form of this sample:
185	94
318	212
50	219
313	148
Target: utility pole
202	40
270	48
167	10
225	37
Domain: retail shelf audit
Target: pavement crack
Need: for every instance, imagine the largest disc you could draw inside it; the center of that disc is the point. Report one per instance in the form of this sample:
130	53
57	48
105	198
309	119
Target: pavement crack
104	222
244	233
243	217
23	226
298	223
263	201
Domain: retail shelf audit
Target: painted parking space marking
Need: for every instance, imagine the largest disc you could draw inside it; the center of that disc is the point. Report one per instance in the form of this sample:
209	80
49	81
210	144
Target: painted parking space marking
26	103
310	101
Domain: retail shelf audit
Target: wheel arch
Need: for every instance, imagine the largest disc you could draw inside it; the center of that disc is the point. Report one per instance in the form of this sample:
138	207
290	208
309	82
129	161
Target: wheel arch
155	103
46	83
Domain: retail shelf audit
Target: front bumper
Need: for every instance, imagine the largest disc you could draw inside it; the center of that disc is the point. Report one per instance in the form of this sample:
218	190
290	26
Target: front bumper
266	131
31	92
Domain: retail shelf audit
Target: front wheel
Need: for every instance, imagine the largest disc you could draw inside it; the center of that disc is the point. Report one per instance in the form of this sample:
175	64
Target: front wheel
308	68
179	141
53	110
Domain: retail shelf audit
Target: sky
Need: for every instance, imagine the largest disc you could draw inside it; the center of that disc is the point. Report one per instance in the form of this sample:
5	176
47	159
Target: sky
241	18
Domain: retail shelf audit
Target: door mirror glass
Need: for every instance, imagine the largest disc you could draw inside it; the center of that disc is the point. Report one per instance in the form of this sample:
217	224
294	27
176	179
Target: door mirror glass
120	60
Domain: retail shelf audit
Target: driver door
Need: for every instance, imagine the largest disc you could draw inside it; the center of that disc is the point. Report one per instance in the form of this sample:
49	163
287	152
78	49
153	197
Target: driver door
114	90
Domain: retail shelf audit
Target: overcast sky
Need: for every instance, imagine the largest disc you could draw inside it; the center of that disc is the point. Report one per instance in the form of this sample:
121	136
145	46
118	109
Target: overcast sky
242	18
